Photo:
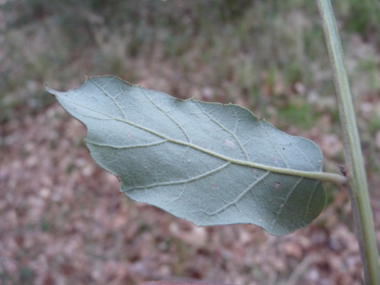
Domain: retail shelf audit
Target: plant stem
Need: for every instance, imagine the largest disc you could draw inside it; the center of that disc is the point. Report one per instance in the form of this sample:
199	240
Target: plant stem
359	195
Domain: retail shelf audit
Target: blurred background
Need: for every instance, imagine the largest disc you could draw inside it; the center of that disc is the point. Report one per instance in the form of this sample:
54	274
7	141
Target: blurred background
63	219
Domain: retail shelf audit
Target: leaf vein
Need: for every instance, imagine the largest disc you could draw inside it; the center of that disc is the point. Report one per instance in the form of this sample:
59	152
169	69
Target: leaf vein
170	117
227	130
109	96
125	147
181	181
241	195
310	200
306	158
332	177
274	146
283	205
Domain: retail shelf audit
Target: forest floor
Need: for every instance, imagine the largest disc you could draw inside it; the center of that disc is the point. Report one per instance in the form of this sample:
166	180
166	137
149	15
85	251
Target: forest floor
63	219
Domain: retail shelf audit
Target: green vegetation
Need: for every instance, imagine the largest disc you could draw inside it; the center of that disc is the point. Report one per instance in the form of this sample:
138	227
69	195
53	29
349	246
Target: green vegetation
59	42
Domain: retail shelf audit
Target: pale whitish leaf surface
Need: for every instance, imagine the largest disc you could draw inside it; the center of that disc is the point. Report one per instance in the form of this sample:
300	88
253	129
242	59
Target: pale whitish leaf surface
199	161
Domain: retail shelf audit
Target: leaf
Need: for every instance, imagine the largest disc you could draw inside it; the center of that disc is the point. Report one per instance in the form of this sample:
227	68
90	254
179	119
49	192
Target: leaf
208	163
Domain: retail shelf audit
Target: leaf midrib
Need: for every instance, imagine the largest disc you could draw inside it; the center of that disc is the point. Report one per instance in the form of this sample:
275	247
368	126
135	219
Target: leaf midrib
328	177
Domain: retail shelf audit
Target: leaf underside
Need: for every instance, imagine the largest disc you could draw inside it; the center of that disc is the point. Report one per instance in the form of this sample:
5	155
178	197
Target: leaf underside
204	162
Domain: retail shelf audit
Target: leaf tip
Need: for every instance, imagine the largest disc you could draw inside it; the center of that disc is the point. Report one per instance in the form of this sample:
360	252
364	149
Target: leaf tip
48	89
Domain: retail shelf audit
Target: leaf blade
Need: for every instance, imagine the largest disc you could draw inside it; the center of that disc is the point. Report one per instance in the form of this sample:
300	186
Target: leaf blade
205	162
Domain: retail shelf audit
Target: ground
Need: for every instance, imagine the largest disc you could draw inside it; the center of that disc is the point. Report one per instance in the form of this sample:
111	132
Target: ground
63	219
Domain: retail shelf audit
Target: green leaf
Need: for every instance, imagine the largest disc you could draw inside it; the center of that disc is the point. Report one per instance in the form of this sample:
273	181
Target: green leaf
208	163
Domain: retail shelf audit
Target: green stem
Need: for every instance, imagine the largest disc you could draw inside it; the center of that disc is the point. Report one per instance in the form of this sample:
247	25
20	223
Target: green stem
359	194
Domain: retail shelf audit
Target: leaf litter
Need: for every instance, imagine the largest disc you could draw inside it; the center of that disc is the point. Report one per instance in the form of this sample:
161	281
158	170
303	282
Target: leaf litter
64	221
63	218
